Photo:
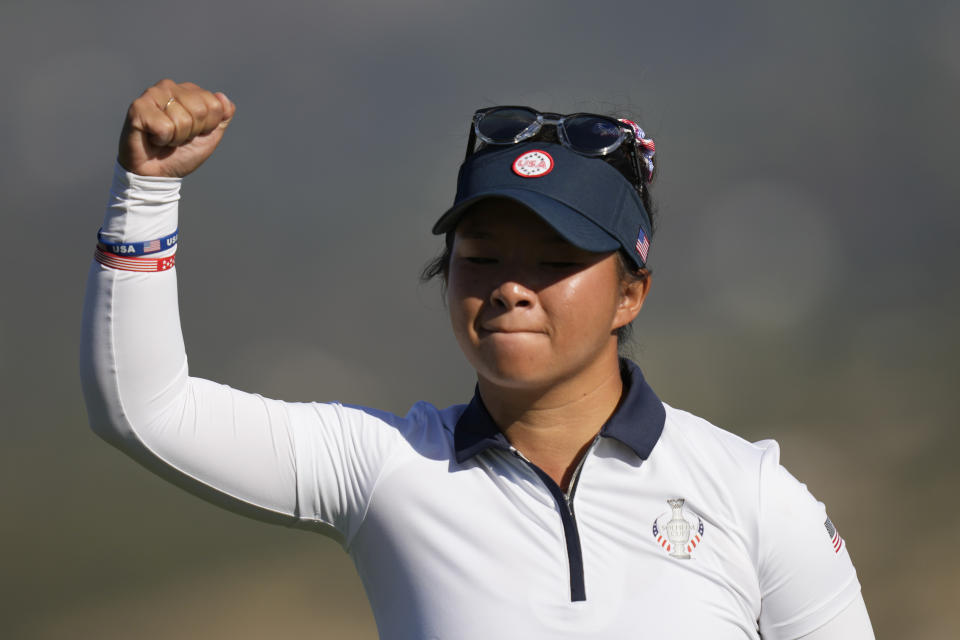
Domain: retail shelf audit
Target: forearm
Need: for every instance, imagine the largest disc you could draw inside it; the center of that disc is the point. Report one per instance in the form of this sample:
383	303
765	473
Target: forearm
131	329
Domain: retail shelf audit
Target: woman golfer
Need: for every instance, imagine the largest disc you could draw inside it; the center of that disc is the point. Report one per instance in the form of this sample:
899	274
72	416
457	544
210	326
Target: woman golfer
564	500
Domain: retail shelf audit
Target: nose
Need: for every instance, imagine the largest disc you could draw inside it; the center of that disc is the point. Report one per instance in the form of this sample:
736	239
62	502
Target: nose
511	294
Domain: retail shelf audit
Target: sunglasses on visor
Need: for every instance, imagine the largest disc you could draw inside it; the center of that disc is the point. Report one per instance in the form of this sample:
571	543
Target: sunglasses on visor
585	133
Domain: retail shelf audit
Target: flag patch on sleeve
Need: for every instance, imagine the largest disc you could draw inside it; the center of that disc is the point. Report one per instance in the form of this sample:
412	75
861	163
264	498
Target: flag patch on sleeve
835	538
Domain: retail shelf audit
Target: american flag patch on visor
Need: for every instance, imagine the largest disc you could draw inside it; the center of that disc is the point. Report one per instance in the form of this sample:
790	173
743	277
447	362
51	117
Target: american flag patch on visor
643	245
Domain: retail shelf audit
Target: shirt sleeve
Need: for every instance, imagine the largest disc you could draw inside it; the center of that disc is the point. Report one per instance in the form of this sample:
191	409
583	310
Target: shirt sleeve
853	623
805	572
312	465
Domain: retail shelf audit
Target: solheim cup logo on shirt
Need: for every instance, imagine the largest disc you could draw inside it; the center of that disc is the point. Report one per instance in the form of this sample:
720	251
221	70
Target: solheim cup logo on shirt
678	532
533	164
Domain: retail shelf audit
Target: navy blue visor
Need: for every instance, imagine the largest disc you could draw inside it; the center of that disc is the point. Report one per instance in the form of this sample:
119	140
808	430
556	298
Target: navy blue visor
586	200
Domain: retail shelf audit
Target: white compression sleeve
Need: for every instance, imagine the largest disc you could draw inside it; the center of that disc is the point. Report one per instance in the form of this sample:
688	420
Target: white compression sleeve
234	448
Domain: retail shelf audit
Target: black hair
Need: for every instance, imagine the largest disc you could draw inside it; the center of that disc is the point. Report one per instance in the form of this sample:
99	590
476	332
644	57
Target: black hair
439	267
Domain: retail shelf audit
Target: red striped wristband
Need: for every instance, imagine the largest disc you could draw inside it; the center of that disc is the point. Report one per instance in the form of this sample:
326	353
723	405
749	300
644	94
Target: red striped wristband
133	264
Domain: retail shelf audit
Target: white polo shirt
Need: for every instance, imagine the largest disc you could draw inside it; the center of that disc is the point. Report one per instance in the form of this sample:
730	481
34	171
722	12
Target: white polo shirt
672	526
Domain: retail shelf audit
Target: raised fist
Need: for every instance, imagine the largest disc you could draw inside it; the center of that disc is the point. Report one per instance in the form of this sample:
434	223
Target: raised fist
172	129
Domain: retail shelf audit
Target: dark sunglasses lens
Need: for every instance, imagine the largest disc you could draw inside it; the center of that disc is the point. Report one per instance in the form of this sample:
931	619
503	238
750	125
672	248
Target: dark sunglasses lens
504	125
592	134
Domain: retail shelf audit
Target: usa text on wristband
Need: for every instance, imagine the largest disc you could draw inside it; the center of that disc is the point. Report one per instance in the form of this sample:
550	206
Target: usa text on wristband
133	264
137	248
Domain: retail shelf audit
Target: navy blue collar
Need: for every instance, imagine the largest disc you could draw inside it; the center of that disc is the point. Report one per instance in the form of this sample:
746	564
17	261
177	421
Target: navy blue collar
637	421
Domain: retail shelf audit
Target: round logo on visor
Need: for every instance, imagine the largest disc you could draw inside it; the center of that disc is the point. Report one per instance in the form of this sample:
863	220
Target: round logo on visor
533	164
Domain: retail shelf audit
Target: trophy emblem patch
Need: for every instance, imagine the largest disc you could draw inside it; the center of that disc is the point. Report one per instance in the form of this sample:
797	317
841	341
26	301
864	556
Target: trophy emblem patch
678	532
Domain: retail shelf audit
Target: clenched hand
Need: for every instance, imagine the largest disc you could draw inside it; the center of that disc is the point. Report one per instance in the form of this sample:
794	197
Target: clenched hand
172	129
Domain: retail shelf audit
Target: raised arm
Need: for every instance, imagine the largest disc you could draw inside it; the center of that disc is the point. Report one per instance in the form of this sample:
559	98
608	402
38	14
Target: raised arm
292	463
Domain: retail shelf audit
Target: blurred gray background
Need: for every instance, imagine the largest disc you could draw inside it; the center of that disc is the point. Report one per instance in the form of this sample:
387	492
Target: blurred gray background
805	282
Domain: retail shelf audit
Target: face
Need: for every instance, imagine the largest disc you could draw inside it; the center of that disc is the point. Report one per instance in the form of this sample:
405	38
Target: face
527	307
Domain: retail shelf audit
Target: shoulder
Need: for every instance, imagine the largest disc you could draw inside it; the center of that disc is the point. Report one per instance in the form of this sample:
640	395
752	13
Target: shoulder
746	476
802	569
691	436
421	415
424	428
719	474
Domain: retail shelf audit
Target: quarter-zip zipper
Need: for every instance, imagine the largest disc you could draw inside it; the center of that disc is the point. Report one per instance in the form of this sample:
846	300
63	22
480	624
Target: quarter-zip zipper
568	519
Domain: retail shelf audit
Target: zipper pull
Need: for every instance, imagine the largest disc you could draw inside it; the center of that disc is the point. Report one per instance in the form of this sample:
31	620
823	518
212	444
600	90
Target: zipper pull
517	453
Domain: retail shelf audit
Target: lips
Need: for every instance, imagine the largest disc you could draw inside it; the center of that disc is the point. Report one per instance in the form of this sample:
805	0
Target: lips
504	327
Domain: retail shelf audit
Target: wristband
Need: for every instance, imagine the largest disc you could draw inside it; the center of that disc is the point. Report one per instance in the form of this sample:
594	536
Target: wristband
133	264
137	248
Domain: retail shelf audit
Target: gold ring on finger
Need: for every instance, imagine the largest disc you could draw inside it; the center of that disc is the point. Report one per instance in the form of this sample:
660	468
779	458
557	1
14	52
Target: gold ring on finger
169	102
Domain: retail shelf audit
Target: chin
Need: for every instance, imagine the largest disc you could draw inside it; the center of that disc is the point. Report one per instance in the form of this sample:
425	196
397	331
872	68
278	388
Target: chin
514	361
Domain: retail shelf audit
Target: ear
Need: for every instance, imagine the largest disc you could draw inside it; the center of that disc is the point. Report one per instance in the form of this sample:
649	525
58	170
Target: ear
632	295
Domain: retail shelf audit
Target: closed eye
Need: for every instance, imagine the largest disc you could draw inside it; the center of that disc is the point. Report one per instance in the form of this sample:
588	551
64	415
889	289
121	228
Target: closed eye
480	260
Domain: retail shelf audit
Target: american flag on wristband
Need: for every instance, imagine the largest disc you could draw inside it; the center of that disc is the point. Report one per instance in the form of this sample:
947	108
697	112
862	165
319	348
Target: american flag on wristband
134	264
131	249
643	245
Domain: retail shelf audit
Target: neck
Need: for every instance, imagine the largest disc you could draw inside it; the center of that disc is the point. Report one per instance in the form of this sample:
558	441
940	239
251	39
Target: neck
554	427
